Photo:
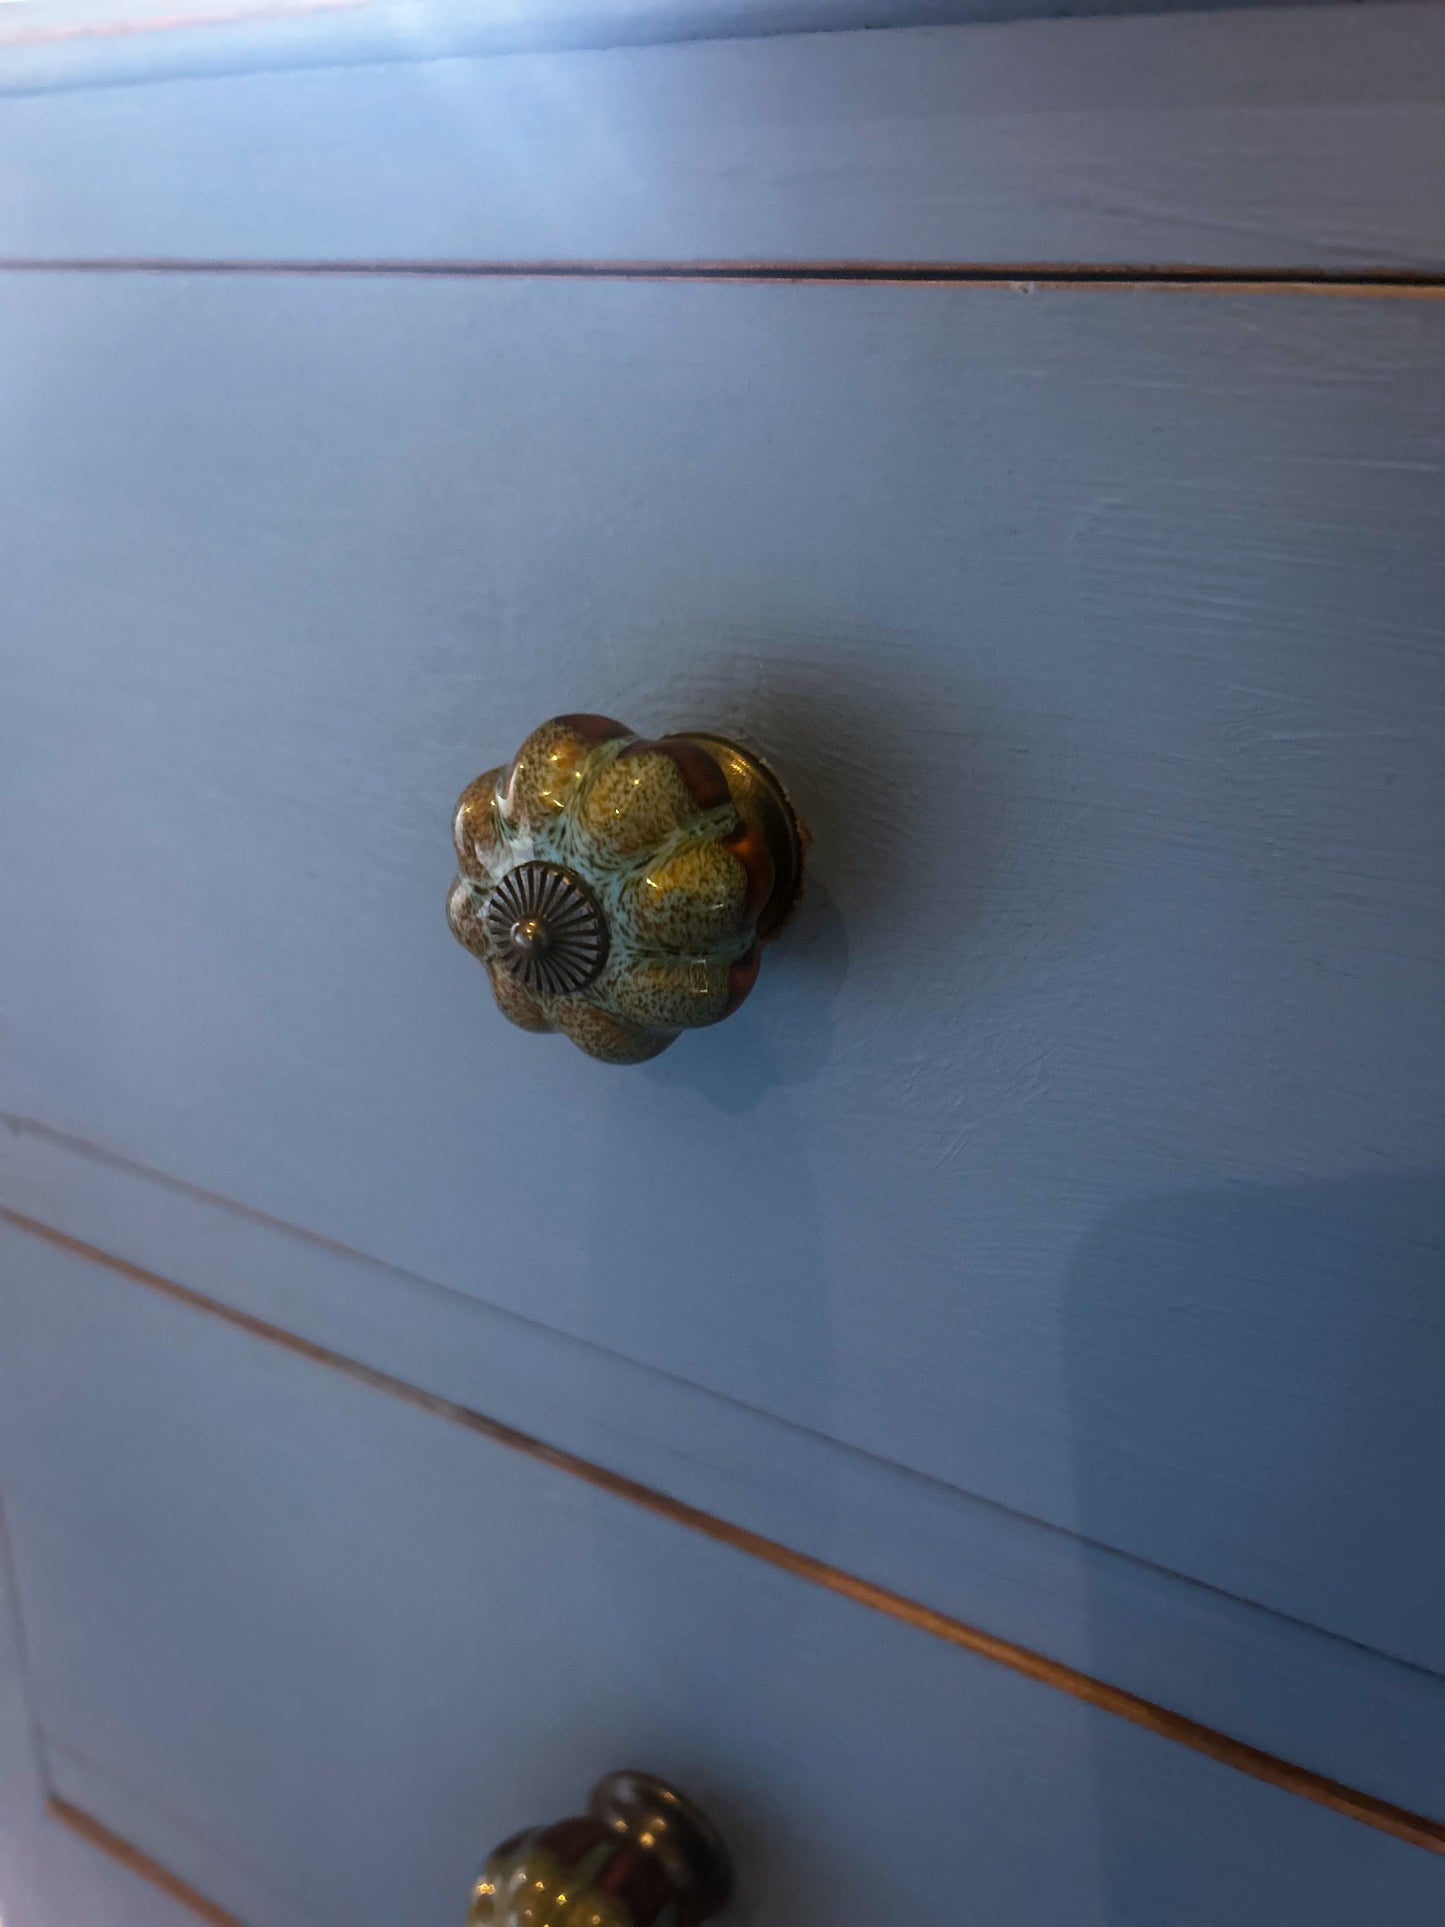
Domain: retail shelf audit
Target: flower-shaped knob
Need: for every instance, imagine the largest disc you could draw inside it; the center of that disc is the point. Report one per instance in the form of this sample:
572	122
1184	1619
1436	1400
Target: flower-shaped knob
642	1853
619	890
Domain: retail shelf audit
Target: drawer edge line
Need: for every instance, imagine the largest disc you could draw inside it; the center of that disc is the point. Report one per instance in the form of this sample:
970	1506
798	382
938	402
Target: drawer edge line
136	1861
1351	1803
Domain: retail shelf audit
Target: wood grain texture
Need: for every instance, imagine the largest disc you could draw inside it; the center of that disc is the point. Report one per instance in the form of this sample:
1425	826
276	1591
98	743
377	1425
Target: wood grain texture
357	1643
1082	1148
905	1545
1270	139
1228	1750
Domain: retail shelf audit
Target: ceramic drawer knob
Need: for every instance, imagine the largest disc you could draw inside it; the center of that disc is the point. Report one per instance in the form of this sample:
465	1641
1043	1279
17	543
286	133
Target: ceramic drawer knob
641	1856
620	890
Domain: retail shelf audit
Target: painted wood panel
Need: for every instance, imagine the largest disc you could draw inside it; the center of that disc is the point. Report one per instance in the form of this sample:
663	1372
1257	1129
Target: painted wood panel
1081	1149
356	1643
48	1877
21	1799
1318	1701
202	33
1272	139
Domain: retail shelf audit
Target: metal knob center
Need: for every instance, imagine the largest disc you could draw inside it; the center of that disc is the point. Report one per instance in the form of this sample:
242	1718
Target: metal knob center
530	937
547	928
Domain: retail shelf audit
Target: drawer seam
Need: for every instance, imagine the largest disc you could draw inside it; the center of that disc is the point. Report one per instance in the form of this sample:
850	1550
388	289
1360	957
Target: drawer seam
1350	1802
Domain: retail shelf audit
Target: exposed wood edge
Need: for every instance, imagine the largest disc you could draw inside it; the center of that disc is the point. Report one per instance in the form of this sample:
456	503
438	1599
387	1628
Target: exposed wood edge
308	1237
129	1856
1418	1829
1021	275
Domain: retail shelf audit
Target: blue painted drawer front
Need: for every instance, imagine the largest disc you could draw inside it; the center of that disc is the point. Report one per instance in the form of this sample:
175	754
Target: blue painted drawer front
1273	139
315	1650
1299	1693
1080	1148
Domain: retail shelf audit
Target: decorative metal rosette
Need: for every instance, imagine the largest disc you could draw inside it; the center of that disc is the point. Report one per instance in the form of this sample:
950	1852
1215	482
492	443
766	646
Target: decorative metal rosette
547	928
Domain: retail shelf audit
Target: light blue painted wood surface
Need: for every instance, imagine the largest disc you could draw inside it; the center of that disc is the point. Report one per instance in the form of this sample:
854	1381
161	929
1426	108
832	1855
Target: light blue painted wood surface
323	1637
88	42
48	1877
85	1888
52	1878
21	1797
1081	1149
1056	1238
1081	1145
1271	139
1319	1701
